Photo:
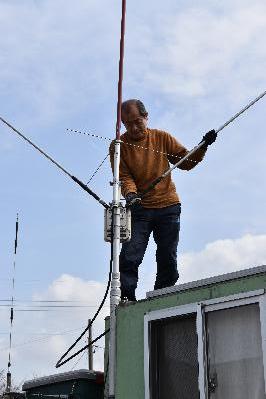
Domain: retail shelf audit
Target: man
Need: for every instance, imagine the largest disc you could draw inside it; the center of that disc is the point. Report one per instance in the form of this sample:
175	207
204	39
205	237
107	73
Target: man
145	155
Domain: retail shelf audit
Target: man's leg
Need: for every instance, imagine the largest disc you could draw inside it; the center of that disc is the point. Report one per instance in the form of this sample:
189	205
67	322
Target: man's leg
132	252
166	235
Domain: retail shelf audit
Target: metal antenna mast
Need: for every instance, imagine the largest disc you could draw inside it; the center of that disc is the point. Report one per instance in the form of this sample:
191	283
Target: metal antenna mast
115	293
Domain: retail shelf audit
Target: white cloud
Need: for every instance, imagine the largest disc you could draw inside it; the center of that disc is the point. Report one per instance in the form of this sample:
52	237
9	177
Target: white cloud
68	287
57	56
205	48
36	354
53	55
218	257
223	256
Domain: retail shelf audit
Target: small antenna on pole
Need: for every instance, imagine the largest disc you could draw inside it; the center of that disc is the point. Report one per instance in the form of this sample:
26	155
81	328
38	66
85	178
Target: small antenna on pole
8	376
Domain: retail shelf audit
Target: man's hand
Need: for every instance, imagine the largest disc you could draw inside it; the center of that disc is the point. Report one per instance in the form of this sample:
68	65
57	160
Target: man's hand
132	199
210	137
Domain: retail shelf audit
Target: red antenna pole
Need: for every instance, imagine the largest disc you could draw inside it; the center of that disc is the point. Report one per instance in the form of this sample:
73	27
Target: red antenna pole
121	68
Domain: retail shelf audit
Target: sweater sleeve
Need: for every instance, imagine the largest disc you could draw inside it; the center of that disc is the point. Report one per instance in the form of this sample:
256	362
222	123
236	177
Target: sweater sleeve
128	184
177	151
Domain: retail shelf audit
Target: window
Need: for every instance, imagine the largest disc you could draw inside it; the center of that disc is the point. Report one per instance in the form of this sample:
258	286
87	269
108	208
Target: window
211	350
234	346
174	360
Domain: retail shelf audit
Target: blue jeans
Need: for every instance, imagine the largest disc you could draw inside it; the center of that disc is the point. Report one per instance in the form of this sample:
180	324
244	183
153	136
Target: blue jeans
165	225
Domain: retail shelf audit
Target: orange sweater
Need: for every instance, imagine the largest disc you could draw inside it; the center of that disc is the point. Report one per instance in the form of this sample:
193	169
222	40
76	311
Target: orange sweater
139	167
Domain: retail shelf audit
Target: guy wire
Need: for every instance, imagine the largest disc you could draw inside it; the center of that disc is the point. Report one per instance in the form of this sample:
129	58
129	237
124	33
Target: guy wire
172	155
201	144
79	359
98	168
130	144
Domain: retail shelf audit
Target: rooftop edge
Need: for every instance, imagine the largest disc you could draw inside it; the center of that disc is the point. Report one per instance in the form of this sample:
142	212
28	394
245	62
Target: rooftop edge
207	281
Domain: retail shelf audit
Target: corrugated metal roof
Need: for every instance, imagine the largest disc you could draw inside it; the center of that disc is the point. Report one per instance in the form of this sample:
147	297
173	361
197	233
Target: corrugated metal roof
207	281
61	377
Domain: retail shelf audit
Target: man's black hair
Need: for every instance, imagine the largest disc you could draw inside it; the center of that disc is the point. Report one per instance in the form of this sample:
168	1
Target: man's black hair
141	107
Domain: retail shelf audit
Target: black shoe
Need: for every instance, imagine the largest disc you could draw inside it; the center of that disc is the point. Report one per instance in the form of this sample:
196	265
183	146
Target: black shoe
166	285
125	300
128	296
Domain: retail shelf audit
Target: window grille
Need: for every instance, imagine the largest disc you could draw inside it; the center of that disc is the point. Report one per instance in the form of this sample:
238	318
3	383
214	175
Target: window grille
173	358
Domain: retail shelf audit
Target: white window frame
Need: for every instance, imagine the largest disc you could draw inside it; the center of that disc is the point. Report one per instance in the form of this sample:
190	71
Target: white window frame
200	309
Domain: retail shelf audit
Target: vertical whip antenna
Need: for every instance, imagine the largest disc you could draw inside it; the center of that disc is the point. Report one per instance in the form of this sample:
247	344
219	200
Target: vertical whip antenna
8	384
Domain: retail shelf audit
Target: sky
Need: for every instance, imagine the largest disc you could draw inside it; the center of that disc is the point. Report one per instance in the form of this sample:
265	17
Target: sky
194	65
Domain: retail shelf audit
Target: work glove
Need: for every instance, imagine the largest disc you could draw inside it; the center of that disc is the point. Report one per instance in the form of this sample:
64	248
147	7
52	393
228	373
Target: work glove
210	137
132	199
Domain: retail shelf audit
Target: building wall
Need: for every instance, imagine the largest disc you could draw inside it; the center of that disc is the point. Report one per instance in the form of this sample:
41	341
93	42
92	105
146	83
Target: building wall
130	328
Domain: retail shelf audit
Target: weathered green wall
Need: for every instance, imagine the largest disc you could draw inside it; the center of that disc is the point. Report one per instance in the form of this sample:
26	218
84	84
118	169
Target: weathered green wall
130	363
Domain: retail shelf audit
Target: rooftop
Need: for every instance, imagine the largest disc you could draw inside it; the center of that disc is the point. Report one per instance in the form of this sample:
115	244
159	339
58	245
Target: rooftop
208	281
60	377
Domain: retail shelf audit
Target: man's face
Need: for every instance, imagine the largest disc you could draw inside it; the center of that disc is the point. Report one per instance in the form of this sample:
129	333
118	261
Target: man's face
135	123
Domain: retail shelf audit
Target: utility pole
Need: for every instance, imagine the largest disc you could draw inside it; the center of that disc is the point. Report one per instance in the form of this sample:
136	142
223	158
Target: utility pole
90	347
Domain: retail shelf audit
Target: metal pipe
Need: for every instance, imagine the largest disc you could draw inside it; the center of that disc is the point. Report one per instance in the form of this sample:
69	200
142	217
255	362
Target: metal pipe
241	112
201	144
74	178
115	293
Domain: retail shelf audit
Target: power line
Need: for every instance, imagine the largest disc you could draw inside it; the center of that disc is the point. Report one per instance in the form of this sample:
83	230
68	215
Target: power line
51	306
43	339
34	281
79	359
48	335
46	339
45	301
10	279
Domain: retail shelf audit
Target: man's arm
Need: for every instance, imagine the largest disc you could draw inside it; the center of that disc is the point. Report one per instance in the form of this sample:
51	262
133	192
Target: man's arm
179	151
127	182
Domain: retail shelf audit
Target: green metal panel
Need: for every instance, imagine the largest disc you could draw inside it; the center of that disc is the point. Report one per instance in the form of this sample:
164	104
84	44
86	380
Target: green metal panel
130	328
